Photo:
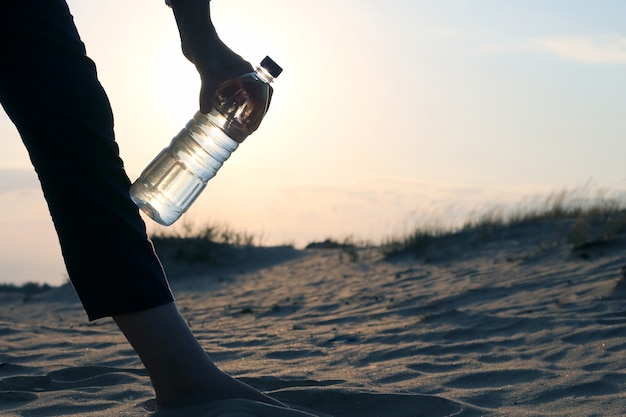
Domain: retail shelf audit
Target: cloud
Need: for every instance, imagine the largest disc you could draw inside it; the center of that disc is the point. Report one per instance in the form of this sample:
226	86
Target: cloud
18	179
595	50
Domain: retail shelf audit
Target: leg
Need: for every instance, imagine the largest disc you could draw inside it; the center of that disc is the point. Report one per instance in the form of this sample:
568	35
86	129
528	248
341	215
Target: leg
49	89
180	370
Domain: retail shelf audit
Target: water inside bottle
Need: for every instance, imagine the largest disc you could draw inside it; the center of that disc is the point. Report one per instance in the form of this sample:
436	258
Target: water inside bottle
167	187
177	176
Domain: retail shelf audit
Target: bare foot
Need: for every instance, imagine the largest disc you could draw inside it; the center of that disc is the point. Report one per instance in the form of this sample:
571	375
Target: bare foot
213	385
180	370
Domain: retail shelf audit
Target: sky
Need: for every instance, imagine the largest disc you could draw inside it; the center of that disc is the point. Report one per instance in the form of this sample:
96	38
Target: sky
389	114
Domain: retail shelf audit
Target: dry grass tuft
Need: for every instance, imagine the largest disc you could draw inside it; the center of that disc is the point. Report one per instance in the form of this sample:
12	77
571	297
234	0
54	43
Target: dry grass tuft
573	217
207	245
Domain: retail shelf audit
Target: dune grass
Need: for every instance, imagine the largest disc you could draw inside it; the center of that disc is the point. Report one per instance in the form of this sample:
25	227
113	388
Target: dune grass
28	288
576	217
349	246
208	244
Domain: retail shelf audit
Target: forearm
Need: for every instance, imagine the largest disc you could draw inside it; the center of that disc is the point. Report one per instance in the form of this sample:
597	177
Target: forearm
197	33
214	61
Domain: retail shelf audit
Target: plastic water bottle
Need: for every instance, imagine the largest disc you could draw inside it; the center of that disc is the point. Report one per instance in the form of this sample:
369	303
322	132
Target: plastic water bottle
177	175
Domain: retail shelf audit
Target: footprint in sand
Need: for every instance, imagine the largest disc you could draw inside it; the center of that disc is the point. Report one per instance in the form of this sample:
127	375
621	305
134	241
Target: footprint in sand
232	408
326	403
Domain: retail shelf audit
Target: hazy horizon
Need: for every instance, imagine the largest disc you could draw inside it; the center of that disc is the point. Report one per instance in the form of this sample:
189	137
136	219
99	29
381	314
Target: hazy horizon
29	251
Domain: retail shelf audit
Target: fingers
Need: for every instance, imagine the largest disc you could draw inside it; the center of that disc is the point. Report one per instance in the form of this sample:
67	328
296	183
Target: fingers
224	65
207	94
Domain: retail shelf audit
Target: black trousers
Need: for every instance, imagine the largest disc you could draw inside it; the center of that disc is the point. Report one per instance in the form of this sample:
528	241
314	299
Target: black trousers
49	89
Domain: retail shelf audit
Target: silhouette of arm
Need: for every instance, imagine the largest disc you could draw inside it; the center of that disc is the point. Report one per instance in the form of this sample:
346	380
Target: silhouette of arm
202	46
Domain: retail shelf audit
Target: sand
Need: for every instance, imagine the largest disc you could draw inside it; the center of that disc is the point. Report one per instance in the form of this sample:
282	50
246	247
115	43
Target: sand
519	325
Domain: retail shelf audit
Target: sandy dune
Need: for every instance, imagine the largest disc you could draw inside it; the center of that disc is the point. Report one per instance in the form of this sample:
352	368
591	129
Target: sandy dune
513	326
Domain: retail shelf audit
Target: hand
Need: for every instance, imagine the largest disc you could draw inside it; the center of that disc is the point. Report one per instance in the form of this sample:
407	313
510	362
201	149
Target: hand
200	43
221	64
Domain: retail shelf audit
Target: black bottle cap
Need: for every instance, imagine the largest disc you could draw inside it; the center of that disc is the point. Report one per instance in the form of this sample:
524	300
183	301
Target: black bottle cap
272	67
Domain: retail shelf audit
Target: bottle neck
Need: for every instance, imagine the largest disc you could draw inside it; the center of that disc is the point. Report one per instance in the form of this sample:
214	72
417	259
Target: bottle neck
264	75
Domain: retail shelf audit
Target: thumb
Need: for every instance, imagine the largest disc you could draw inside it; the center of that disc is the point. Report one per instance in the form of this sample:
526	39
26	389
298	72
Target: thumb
207	95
